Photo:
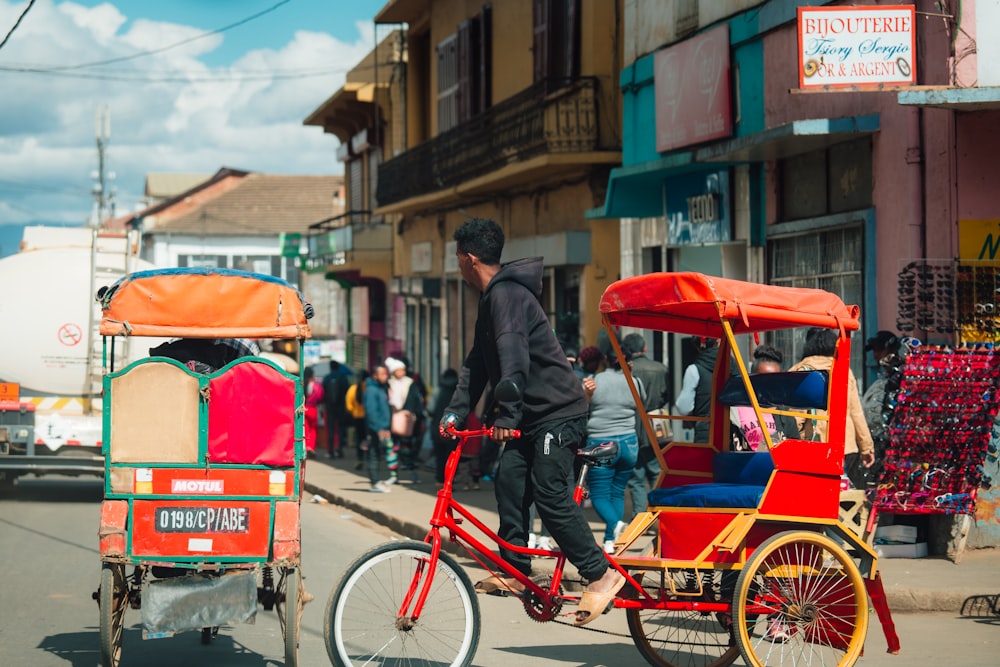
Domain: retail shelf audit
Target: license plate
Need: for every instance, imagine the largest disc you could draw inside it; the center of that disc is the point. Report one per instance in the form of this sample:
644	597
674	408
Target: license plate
202	519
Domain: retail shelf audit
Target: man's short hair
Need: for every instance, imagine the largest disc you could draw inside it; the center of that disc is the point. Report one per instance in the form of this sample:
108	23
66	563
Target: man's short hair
481	237
633	344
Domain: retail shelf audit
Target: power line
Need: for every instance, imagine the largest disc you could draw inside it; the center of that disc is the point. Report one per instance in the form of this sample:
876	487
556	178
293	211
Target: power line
177	78
149	52
17	23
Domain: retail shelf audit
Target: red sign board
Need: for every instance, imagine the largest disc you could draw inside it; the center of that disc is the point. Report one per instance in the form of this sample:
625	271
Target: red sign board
693	95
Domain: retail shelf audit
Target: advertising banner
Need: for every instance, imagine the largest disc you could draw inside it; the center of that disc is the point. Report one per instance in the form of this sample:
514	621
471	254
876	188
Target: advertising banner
856	46
692	89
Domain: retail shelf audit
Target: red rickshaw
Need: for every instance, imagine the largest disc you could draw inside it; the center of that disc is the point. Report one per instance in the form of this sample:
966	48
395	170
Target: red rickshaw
748	554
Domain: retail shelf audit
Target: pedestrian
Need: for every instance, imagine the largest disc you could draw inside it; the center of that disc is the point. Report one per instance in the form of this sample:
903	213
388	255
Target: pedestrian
378	421
653	375
407	410
877	402
695	398
312	389
354	405
748	435
335	385
514	341
612	419
439	401
590	361
859	450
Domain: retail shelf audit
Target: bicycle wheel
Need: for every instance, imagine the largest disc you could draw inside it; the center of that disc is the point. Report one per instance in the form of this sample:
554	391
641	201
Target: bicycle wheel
113	600
362	621
808	600
289	607
684	638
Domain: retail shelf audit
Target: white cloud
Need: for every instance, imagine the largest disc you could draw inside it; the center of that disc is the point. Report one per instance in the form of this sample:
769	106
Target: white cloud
240	118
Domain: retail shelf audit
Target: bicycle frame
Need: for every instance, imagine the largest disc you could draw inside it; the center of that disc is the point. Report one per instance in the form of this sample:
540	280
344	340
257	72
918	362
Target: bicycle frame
444	517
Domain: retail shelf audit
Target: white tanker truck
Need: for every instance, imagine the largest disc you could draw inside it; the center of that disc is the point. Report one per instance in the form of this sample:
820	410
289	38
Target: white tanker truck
50	360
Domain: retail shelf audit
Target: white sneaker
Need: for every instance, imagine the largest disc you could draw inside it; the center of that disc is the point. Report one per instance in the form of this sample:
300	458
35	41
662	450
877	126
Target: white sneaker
392	480
379	487
532	541
620	528
609	546
545	543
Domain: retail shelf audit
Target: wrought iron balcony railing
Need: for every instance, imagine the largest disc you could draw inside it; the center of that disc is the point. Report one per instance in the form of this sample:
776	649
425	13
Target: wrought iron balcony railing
549	117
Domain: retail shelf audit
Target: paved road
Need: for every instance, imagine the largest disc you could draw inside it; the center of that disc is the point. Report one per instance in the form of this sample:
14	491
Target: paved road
51	567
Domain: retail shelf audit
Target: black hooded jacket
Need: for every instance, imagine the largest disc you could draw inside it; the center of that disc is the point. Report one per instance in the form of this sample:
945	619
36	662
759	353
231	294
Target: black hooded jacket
514	340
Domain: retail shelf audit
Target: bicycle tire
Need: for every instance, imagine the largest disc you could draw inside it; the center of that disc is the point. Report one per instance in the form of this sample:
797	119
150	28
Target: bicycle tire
818	599
362	624
668	638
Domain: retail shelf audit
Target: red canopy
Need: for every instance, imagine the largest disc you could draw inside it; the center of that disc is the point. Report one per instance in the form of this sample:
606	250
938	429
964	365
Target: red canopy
696	304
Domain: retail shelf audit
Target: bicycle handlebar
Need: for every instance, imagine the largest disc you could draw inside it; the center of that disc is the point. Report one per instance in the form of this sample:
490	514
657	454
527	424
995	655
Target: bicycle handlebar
478	431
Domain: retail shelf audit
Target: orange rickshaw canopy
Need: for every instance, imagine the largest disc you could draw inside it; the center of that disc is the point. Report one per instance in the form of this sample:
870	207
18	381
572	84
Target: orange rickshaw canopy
203	303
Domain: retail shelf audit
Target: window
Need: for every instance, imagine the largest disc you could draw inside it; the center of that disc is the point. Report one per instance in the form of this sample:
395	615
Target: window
464	71
830	260
831	180
556	42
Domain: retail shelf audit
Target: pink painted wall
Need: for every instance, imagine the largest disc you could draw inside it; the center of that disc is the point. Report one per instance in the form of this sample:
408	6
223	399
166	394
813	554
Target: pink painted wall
978	152
912	157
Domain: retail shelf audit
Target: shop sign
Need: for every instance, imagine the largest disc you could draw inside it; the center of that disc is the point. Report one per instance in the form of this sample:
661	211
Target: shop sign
697	209
420	256
856	46
290	244
691	84
979	240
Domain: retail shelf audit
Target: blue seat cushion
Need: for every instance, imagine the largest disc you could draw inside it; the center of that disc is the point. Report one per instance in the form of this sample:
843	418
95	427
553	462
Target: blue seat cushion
716	494
753	468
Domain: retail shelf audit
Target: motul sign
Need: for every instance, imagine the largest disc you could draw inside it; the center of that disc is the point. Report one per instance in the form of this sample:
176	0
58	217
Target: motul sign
205	486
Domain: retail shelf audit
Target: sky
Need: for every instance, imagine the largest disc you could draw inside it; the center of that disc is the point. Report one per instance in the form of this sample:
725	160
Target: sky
188	86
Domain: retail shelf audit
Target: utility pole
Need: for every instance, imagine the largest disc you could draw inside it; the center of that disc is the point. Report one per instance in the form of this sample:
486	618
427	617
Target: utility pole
103	188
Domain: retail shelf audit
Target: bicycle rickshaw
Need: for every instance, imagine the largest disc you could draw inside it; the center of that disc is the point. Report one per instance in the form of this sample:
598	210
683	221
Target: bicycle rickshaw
204	451
742	541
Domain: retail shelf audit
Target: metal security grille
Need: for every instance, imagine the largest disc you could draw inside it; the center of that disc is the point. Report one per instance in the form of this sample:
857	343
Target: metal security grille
830	260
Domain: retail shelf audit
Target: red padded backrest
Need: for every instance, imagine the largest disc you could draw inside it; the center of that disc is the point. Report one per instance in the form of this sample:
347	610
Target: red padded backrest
251	416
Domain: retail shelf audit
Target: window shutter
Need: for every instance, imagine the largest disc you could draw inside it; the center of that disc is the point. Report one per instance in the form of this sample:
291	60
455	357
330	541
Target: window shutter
447	71
485	82
468	68
540	39
571	65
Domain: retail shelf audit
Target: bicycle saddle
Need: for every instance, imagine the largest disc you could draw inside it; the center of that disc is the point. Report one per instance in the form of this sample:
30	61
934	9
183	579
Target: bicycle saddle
600	455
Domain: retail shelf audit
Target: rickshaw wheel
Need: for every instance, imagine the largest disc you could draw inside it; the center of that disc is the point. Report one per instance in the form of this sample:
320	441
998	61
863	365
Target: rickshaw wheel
113	601
682	638
800	599
289	603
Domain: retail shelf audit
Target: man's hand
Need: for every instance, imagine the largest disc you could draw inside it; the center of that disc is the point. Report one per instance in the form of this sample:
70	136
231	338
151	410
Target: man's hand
502	435
449	420
868	459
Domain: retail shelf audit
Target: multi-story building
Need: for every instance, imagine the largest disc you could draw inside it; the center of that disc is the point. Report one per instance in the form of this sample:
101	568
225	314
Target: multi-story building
505	110
349	266
860	163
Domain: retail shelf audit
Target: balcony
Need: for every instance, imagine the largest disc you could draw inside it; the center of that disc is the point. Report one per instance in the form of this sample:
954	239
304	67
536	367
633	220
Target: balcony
550	117
347	239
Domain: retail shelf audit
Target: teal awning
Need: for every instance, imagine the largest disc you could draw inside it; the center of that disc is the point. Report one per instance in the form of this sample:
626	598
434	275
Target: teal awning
636	191
986	98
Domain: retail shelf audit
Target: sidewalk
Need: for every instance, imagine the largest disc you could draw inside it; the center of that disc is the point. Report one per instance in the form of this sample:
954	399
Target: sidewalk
921	584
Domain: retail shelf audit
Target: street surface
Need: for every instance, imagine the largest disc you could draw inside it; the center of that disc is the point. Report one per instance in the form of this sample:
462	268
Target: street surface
51	567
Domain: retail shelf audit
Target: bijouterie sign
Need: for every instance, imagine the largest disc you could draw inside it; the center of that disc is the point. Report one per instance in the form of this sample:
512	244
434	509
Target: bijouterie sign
856	46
